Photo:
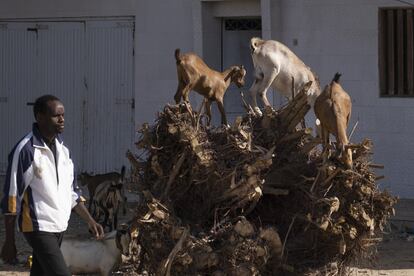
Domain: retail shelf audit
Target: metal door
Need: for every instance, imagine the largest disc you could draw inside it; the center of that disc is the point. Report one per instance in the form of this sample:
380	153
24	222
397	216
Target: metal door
236	51
17	73
89	65
109	123
60	71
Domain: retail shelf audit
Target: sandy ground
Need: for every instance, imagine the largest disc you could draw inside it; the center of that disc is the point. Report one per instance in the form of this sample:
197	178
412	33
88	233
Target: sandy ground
395	253
395	258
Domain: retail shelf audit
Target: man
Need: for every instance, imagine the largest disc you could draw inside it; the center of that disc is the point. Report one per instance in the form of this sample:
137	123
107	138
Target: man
40	192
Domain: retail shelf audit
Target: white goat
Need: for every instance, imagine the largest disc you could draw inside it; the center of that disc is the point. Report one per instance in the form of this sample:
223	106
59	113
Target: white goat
275	66
96	256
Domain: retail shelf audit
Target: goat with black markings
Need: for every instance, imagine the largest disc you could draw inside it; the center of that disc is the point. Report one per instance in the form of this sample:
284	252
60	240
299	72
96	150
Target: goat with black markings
107	200
93	181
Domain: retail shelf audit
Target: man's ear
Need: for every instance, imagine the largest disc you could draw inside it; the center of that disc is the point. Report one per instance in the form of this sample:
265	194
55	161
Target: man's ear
39	117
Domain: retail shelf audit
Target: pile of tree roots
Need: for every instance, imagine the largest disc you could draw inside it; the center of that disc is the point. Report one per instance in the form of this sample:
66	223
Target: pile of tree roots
260	197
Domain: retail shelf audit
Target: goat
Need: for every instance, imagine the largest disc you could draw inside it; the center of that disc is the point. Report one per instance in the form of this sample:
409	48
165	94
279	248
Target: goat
96	256
333	109
108	198
93	181
194	74
277	66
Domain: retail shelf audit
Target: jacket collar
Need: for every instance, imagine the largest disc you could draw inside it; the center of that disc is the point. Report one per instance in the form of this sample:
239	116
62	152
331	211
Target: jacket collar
37	137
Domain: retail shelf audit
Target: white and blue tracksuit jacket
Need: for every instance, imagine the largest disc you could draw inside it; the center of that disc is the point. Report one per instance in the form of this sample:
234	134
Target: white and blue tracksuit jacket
40	192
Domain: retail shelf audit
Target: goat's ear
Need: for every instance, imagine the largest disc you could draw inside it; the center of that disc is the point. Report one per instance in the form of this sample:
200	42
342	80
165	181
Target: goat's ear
235	70
242	67
307	85
230	75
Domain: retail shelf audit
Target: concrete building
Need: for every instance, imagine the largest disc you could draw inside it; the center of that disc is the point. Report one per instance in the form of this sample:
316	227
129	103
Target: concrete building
112	64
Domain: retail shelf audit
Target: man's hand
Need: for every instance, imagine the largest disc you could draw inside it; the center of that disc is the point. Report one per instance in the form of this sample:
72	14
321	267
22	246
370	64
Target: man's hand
96	229
8	251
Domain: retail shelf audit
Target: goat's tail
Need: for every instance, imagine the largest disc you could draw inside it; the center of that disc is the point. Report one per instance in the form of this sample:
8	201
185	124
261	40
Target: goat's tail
177	56
336	77
123	173
255	42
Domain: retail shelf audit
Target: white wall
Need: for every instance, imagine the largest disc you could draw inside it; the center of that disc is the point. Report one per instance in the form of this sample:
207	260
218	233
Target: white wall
342	36
332	35
161	27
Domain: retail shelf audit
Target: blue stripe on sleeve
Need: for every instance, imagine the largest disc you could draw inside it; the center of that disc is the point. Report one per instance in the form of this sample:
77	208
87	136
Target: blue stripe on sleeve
25	160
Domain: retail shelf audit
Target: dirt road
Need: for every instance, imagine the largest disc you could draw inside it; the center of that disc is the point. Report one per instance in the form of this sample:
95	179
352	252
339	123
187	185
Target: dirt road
396	257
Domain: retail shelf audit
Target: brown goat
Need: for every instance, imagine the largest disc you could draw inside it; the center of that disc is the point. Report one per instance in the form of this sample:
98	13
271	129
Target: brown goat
93	181
194	74
333	109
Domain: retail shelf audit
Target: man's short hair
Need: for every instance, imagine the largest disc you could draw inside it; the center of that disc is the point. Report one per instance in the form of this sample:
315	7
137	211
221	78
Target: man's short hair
40	105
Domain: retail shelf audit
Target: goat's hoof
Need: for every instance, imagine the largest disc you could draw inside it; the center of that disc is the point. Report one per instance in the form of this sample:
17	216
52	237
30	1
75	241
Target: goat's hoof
258	112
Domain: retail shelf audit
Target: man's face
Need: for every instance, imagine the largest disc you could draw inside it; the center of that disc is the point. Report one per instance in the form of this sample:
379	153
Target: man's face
52	121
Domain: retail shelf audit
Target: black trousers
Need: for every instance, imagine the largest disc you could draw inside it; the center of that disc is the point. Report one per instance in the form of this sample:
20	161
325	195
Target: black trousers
47	257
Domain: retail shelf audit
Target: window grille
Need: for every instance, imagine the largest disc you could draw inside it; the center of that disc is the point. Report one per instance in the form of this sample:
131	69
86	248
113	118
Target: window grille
396	52
243	24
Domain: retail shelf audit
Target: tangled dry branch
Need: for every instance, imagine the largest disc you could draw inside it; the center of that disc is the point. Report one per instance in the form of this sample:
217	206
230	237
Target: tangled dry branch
257	198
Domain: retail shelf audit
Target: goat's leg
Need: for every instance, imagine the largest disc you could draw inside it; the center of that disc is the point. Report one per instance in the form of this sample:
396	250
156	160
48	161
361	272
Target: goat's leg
124	200
325	143
222	111
124	205
265	84
106	219
97	212
93	211
253	96
111	219
342	141
208	112
186	92
115	215
90	203
178	95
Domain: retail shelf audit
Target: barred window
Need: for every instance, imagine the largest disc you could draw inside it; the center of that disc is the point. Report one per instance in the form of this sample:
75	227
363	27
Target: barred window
396	52
243	24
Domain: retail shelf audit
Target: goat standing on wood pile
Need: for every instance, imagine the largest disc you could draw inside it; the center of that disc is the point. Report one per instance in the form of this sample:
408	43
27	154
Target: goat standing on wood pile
194	74
93	181
107	200
96	256
333	109
275	66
